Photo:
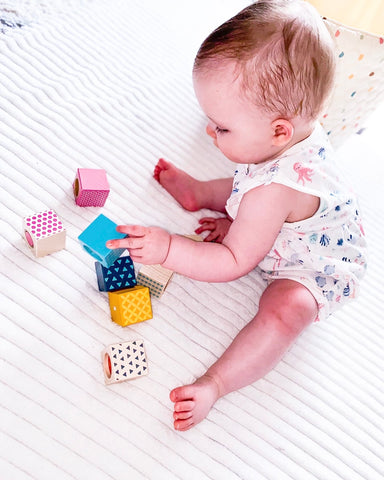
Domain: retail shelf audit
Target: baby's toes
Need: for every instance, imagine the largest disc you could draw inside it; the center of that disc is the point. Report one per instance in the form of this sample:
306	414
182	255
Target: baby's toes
183	425
182	415
163	164
156	172
185	406
180	394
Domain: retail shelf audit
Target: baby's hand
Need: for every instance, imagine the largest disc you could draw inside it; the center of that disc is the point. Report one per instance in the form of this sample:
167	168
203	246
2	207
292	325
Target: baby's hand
217	226
147	245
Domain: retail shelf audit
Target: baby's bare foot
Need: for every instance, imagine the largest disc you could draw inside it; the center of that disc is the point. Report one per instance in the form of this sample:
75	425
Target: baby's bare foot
193	402
183	187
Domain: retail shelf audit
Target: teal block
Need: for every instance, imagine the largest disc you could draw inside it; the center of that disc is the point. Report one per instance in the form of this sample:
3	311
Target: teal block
95	236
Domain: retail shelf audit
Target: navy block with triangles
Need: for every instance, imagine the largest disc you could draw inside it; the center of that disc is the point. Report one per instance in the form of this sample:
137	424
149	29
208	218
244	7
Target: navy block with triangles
120	275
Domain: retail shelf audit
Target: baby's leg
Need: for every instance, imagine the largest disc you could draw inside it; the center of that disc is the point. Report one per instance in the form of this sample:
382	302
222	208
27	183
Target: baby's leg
286	308
193	194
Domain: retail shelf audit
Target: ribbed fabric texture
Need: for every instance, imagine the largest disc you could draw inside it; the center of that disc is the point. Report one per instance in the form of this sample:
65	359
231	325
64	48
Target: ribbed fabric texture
108	85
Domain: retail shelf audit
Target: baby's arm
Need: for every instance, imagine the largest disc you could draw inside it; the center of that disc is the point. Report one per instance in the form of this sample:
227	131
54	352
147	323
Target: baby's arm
251	235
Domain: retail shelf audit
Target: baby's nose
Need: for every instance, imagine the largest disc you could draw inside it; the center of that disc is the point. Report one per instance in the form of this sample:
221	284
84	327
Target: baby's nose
211	131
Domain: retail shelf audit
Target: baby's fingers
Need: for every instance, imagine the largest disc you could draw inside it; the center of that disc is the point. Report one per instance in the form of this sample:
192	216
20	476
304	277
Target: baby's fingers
206	226
212	237
132	230
207	220
131	243
117	243
134	240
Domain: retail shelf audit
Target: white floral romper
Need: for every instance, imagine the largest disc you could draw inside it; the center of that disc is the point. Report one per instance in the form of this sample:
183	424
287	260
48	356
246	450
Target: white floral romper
327	252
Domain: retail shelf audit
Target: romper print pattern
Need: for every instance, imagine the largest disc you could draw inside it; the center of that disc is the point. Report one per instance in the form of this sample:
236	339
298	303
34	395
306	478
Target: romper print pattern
327	252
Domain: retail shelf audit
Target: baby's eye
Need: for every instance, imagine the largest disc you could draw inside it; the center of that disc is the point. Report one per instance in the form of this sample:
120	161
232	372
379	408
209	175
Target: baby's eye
221	130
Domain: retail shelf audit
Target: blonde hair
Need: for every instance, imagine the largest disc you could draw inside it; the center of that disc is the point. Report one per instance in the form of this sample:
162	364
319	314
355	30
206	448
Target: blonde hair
283	52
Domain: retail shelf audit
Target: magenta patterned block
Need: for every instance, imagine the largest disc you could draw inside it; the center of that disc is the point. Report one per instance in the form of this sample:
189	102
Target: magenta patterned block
90	187
44	233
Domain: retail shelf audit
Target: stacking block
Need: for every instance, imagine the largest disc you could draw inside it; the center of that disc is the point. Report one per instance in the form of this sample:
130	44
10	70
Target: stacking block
120	275
90	187
124	361
132	305
155	277
194	237
44	233
96	235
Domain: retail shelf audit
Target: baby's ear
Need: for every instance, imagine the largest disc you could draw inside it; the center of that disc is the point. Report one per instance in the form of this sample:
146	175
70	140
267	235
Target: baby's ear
282	132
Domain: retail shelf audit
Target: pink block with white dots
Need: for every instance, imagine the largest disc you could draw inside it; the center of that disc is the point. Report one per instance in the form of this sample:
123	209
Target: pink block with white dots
44	233
90	187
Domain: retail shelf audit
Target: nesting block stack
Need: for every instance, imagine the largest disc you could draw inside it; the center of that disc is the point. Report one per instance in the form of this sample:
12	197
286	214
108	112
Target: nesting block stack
90	187
129	303
124	361
115	273
44	233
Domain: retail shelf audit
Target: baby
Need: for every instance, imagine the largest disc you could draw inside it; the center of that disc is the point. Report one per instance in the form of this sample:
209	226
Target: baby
262	79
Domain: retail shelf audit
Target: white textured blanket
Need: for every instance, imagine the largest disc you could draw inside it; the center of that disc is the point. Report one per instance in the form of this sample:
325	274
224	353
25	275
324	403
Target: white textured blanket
107	84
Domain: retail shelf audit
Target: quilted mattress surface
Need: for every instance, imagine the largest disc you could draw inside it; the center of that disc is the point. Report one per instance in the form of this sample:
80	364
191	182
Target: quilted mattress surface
107	84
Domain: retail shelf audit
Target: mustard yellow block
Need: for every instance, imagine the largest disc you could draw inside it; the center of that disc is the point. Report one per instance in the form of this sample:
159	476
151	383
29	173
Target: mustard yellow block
132	305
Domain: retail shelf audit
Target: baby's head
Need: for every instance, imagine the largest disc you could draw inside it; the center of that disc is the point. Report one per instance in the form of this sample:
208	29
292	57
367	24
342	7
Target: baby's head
282	53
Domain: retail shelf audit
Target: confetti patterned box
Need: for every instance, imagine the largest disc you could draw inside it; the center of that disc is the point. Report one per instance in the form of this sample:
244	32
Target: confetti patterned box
124	361
90	187
96	235
155	277
359	86
120	275
44	233
132	305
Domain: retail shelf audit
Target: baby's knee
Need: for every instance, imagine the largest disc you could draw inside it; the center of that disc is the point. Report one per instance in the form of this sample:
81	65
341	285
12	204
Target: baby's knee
300	300
290	305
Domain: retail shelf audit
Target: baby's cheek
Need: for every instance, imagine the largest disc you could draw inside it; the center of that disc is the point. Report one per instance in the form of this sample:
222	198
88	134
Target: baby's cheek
223	146
231	154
